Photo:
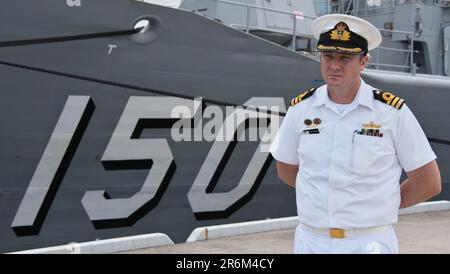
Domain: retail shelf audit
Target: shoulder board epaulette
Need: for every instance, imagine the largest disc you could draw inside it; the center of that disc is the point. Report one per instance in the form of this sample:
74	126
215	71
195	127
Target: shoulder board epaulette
302	96
388	98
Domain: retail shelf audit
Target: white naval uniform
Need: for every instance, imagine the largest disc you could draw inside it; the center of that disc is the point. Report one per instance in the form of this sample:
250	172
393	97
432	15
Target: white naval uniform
349	180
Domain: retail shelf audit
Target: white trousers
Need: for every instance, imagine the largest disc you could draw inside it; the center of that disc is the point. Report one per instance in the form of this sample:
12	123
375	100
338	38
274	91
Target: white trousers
307	242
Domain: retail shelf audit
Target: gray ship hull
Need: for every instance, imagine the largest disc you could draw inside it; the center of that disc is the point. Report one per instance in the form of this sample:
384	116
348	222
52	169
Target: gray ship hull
63	103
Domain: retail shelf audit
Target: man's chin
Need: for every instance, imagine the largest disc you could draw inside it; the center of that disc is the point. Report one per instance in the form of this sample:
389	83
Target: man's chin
333	83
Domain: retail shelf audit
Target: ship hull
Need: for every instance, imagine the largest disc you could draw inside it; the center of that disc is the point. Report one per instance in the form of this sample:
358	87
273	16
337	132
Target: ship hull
67	175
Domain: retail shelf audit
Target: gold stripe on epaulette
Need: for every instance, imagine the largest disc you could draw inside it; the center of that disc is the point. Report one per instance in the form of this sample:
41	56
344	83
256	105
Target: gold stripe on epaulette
302	96
399	104
394	102
294	101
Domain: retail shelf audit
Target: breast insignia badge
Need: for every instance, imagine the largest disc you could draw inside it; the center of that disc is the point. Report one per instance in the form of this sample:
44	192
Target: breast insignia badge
370	129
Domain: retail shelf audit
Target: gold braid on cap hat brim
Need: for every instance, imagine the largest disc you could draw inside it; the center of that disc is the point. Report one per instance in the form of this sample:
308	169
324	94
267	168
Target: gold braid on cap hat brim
353	50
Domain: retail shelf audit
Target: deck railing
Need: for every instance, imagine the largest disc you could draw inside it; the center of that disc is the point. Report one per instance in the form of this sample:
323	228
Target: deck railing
295	16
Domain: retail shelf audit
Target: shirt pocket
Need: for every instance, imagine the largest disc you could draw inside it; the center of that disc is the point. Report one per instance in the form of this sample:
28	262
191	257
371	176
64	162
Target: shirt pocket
314	150
370	154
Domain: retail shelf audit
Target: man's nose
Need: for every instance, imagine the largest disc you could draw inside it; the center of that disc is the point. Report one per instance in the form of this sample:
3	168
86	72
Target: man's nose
334	65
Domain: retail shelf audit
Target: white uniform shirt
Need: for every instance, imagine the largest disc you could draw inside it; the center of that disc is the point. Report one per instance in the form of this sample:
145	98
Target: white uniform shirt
346	179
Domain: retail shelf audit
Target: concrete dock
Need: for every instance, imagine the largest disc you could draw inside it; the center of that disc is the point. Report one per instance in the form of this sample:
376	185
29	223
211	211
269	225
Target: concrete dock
427	233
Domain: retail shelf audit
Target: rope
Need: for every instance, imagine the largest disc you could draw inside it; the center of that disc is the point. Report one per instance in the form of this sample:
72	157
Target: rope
58	39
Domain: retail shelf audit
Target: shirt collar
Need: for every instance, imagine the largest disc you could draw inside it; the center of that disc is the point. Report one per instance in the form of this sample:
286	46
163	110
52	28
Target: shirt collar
364	96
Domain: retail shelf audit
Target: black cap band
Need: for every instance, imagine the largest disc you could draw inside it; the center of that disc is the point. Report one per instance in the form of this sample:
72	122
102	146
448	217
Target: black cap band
340	38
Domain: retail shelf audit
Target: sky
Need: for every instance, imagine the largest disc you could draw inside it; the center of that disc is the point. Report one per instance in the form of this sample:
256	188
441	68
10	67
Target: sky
171	3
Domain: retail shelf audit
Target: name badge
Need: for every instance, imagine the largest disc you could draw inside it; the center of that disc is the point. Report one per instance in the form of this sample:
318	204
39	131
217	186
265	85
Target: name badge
311	131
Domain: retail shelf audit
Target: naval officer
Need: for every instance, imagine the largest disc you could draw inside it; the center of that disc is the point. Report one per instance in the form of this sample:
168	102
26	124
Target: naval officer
343	147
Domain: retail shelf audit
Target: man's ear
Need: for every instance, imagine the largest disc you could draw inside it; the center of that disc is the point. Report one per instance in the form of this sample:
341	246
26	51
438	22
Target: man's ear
363	63
364	60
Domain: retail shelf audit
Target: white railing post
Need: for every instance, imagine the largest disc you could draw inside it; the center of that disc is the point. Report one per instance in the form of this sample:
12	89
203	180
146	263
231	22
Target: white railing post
378	58
413	65
248	19
294	38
